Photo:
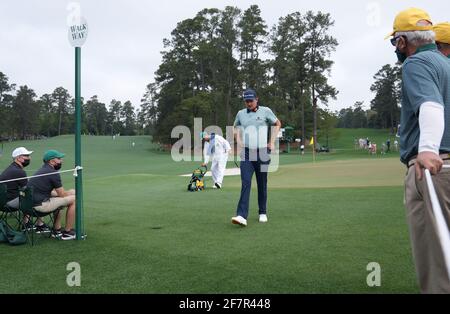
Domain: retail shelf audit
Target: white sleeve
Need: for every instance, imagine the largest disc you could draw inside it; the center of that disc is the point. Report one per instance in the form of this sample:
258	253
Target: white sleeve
205	153
432	125
226	146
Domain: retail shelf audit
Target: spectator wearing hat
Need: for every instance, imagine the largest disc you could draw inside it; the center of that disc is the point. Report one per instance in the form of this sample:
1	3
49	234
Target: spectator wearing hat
252	126
442	31
49	194
217	149
15	171
424	140
21	159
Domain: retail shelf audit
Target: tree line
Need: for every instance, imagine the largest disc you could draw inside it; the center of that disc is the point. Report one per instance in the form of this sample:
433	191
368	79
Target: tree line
207	62
24	115
384	112
212	57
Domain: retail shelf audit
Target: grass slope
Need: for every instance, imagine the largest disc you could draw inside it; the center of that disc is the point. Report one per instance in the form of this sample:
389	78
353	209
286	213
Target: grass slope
146	234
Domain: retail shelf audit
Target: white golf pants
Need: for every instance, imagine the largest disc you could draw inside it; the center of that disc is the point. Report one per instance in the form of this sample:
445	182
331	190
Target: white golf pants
219	163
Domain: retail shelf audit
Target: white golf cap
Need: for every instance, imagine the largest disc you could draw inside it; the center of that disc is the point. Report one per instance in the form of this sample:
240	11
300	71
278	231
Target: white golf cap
21	151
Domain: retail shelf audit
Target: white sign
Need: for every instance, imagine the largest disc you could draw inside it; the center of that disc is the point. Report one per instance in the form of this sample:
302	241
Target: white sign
78	32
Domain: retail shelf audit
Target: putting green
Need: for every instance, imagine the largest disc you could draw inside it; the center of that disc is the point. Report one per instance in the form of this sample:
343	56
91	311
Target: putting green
327	221
340	173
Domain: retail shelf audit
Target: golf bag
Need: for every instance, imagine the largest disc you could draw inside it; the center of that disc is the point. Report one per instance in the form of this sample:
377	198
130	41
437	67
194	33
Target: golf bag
197	183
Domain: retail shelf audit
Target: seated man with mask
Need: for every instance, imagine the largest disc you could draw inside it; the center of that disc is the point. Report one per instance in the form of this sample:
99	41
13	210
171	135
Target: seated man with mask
49	194
16	171
21	159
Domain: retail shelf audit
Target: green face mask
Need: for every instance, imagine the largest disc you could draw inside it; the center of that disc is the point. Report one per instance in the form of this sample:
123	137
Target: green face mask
400	56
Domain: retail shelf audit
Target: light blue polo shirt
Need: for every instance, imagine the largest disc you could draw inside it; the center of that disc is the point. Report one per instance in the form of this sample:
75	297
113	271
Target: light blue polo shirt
426	77
255	126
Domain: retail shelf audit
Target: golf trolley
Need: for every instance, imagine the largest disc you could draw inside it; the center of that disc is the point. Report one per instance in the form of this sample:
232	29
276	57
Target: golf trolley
197	180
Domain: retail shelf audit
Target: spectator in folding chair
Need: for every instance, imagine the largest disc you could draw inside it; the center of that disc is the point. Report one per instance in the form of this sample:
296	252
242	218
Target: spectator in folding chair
49	194
21	159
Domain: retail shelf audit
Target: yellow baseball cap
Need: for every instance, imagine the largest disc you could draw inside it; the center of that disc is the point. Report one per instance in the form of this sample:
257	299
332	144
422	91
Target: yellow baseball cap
407	20
442	31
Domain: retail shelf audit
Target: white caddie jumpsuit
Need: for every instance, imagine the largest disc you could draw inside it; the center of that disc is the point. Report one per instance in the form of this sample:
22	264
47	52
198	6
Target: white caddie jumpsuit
217	150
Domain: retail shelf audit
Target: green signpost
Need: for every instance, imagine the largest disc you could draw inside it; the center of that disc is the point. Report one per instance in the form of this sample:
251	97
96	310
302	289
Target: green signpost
78	32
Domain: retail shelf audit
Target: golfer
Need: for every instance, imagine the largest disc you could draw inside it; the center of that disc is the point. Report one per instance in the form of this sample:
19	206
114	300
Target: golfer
217	149
252	127
424	140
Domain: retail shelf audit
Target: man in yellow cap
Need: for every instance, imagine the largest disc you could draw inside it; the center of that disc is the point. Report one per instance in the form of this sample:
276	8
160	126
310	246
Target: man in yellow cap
424	140
442	31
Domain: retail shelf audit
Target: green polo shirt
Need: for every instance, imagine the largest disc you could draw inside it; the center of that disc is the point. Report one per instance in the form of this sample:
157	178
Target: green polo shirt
255	126
426	77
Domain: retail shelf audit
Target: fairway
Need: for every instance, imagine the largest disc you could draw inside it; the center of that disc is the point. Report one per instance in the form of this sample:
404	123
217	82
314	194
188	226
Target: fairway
146	234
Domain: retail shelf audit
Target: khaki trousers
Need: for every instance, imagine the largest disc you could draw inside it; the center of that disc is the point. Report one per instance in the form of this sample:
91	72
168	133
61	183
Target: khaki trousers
426	247
55	202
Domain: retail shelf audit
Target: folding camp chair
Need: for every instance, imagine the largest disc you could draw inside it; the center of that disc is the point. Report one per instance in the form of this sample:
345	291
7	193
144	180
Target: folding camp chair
5	210
27	209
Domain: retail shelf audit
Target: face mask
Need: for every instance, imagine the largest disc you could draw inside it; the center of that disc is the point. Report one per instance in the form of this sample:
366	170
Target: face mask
57	166
400	56
25	163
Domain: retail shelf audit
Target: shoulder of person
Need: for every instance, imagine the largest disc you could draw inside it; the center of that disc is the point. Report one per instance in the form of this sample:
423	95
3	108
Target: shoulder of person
15	168
22	171
7	169
421	59
222	138
264	108
46	168
414	65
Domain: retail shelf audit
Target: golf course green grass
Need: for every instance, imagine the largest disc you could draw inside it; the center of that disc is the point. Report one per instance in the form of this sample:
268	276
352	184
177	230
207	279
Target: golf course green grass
328	220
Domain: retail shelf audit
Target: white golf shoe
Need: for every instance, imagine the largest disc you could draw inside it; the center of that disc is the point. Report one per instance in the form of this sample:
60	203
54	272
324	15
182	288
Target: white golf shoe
239	220
263	218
